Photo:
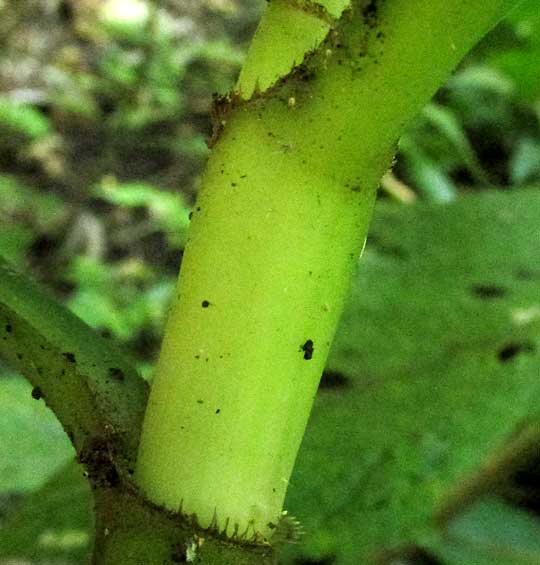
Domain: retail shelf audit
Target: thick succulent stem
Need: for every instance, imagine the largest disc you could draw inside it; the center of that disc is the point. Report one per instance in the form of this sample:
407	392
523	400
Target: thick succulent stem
277	229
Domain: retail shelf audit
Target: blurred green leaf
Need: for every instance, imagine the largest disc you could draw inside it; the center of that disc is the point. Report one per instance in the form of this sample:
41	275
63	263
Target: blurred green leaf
168	210
525	162
522	67
24	212
121	67
18	199
15	241
491	532
221	51
526	19
444	120
426	174
52	525
22	119
480	94
193	147
33	444
73	93
123	298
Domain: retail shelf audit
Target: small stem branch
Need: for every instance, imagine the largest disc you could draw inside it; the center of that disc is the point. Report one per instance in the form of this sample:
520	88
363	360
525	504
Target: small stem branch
92	389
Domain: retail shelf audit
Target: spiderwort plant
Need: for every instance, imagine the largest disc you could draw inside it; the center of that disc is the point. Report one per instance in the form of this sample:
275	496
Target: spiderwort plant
298	151
281	218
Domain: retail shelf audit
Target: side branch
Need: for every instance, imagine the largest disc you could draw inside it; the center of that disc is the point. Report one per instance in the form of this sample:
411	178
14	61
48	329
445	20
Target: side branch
94	392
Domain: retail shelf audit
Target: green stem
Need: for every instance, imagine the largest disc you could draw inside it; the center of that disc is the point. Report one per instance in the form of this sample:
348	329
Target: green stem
94	392
132	531
278	226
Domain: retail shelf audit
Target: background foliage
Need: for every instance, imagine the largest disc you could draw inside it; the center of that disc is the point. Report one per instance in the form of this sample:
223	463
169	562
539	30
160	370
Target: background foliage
104	112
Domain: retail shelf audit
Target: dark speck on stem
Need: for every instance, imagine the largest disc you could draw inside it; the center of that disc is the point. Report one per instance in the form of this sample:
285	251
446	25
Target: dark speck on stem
308	348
